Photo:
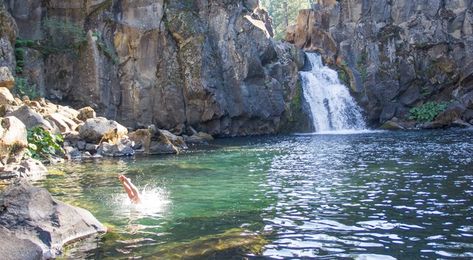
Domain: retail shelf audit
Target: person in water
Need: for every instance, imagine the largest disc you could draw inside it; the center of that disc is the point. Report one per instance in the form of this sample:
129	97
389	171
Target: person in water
130	189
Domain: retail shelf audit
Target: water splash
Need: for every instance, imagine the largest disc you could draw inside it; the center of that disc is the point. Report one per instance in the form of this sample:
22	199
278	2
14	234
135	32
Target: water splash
154	201
331	105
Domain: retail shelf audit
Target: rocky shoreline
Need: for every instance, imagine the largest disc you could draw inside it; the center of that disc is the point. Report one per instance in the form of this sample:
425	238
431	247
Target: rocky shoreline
33	225
84	135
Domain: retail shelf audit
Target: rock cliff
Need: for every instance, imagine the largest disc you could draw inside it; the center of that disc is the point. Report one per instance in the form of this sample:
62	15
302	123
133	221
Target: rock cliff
207	64
396	54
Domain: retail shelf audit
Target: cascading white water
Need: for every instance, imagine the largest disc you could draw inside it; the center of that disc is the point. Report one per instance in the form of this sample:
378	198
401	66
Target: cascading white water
331	105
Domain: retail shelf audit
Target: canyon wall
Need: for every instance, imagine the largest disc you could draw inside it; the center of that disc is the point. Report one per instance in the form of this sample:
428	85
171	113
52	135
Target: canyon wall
207	64
395	55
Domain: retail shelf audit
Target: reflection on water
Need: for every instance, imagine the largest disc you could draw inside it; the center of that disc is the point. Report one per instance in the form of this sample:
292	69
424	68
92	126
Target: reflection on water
381	195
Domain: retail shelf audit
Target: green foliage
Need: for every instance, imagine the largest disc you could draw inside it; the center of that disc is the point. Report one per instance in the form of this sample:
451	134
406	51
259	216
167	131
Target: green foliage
20	60
427	112
284	13
23	43
20	54
361	65
43	145
23	88
342	75
62	36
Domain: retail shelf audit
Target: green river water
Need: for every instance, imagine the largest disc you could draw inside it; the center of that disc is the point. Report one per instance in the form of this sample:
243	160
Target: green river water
378	195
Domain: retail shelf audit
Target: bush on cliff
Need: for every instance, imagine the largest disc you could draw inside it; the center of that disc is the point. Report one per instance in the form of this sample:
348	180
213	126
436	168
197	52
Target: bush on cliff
43	145
427	112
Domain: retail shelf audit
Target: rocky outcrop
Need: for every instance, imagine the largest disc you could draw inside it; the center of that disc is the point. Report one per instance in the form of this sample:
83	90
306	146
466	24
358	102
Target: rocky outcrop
30	213
207	64
395	54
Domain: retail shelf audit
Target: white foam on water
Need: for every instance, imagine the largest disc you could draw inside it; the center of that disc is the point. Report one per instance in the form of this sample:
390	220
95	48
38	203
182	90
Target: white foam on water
154	201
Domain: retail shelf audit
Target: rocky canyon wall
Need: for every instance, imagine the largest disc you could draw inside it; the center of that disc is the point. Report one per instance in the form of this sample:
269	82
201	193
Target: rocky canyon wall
395	54
209	64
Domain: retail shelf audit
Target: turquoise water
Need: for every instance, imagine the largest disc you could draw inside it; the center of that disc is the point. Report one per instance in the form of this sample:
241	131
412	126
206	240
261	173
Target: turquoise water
403	195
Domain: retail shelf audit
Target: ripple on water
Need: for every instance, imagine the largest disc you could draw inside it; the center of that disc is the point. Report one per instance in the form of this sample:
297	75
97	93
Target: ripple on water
365	196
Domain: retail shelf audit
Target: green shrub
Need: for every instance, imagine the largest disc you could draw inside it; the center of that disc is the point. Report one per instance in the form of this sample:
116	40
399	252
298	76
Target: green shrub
23	88
62	37
427	112
43	145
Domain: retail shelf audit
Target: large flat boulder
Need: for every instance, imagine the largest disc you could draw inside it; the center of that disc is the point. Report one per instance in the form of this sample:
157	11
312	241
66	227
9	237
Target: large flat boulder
32	213
101	129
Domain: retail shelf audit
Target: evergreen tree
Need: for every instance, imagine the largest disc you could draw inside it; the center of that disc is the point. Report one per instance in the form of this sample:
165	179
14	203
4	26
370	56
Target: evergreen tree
284	13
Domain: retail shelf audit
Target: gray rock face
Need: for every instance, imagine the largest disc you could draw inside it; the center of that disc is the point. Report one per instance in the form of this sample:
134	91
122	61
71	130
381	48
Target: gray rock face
206	64
31	213
398	54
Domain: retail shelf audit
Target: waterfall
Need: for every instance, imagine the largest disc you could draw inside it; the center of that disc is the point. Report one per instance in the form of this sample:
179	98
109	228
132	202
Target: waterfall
330	102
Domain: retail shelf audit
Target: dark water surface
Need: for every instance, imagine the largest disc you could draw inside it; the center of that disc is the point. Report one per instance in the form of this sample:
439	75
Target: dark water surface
404	195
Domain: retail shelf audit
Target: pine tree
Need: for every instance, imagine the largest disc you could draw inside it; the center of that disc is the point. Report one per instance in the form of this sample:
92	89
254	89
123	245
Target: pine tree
284	13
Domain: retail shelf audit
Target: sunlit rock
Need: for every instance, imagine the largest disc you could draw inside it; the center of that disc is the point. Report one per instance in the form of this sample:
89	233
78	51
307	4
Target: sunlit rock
31	213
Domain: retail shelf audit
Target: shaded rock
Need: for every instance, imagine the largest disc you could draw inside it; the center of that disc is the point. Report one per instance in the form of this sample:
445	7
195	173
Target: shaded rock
30	118
460	123
204	136
13	140
392	125
29	169
99	129
158	147
31	213
6	98
468	115
72	153
13	248
86	113
156	141
122	148
198	138
72	138
177	141
142	139
452	113
6	78
81	145
91	147
432	125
